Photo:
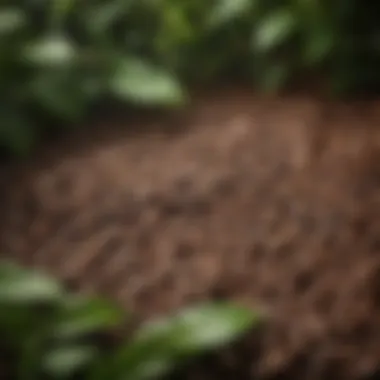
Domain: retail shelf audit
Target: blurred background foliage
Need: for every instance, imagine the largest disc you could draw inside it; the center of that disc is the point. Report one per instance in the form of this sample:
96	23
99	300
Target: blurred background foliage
48	333
60	57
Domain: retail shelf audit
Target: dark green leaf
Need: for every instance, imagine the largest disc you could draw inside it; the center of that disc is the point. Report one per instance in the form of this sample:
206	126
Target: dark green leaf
274	77
17	132
84	316
318	46
103	16
61	93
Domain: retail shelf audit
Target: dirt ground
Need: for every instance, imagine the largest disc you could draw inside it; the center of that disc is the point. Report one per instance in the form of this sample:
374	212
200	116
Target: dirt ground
271	203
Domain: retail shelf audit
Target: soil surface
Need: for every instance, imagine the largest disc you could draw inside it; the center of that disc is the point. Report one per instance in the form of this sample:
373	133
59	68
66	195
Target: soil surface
271	203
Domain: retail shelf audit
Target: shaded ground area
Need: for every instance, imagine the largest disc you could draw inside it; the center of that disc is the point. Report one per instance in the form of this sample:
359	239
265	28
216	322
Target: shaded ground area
273	203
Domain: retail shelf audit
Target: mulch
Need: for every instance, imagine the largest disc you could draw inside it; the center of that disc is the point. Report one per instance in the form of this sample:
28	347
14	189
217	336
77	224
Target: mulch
272	203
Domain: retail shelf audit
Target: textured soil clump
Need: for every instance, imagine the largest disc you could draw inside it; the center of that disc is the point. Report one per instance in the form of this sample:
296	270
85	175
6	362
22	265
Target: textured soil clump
271	203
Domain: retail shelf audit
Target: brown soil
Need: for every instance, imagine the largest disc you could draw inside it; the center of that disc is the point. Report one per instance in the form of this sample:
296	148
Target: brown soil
273	203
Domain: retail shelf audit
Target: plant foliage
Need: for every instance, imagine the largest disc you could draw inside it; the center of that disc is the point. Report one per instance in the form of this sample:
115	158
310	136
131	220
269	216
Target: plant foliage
48	333
59	57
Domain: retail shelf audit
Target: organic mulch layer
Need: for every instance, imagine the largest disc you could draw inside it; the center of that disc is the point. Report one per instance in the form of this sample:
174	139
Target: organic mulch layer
271	203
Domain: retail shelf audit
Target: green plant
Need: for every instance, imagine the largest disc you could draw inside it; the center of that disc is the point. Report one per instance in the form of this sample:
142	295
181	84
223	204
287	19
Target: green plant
49	333
58	58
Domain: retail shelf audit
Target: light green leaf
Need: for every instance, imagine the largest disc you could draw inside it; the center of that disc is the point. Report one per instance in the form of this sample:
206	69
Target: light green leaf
28	287
54	50
226	11
202	328
162	344
11	20
139	82
274	30
66	361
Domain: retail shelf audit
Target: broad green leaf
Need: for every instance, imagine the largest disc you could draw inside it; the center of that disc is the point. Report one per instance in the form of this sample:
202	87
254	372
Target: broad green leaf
226	11
139	82
54	50
11	20
65	361
160	345
202	328
274	30
29	287
82	316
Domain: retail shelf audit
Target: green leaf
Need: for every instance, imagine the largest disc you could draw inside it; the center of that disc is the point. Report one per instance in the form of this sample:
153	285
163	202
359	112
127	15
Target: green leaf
274	30
16	322
8	268
16	131
160	345
318	46
103	16
60	93
54	50
30	353
203	328
139	82
28	287
226	11
60	9
81	316
66	361
11	20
